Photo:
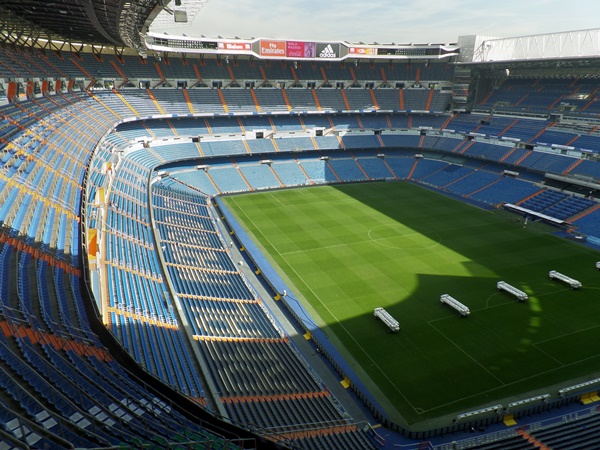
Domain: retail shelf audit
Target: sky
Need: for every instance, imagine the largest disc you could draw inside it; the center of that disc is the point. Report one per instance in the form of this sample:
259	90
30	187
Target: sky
386	21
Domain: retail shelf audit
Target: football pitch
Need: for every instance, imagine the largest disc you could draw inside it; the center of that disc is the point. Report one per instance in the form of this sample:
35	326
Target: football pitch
347	249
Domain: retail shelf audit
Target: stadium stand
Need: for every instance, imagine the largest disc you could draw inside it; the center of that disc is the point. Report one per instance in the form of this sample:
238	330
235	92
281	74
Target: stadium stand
375	168
290	173
240	343
504	190
62	386
45	331
259	176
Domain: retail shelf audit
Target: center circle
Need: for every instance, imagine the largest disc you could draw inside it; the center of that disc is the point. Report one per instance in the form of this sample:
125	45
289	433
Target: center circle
403	238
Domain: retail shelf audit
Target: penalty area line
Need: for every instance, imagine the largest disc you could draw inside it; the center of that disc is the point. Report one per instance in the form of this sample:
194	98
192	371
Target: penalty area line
332	314
466	354
374	363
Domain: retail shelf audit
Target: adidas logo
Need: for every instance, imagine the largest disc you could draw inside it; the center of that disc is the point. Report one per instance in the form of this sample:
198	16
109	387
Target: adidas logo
328	52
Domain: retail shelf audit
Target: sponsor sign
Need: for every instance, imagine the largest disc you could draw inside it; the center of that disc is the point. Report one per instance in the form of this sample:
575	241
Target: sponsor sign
272	49
362	50
234	46
296	49
328	50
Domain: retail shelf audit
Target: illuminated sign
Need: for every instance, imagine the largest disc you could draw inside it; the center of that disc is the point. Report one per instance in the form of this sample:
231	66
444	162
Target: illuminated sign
272	49
296	49
234	46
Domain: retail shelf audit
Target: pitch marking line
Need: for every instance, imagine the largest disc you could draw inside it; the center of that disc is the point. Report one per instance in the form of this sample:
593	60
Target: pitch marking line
487	302
535	344
332	202
538	296
416	409
374	363
372	239
567	334
548	355
275	198
467	354
320	248
376	240
540	374
331	313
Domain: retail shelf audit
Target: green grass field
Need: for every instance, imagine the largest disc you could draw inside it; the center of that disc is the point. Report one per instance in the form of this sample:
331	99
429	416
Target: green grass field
350	248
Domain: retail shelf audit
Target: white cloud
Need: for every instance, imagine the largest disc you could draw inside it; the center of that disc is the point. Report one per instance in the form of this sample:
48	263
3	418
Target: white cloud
390	20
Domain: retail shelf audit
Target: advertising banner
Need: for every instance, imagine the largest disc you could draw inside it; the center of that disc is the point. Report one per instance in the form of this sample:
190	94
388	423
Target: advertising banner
362	50
272	49
297	49
328	50
235	46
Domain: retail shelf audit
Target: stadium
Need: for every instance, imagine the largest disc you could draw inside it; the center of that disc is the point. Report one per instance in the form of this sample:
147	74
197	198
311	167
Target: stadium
262	243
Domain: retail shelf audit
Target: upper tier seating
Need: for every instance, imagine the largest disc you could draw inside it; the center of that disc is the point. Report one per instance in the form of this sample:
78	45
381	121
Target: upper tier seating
573	95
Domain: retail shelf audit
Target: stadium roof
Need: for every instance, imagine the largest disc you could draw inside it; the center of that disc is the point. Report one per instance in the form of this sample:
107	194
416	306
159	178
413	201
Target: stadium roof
105	22
574	45
179	14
